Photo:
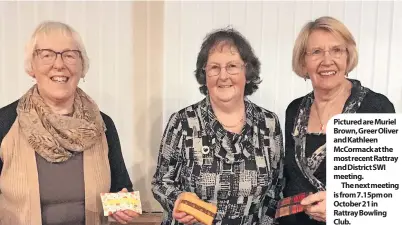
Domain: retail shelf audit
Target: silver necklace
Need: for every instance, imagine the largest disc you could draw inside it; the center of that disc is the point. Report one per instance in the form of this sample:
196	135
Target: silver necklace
318	114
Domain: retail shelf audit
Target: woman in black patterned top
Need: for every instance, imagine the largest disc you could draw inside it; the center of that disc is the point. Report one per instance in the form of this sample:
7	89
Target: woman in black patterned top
225	149
324	52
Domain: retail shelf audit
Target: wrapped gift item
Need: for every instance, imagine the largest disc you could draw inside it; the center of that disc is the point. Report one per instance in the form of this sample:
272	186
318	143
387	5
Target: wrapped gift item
291	205
202	211
113	202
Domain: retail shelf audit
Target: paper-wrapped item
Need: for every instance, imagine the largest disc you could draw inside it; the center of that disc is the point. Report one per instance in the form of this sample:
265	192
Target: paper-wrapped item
113	202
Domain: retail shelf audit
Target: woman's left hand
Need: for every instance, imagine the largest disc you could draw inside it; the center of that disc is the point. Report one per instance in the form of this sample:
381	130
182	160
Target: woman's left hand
125	216
315	205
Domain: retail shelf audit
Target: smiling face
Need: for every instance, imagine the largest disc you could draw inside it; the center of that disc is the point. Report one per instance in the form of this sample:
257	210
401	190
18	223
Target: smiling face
57	80
225	87
326	62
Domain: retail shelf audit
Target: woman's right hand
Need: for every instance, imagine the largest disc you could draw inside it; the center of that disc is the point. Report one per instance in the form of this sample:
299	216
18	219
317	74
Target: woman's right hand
182	217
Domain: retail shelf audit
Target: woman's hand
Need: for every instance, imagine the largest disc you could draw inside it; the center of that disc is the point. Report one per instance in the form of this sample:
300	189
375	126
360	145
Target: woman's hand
125	216
315	205
182	217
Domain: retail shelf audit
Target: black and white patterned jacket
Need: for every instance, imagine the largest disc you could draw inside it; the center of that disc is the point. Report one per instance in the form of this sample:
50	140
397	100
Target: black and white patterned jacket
240	173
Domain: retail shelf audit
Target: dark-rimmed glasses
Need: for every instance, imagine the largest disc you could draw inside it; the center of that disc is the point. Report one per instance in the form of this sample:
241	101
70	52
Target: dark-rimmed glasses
48	56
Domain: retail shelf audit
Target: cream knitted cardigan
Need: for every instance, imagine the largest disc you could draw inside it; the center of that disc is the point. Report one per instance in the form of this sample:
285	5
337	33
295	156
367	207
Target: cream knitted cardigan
19	186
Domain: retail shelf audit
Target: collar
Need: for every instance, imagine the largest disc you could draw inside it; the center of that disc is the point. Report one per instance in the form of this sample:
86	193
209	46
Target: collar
221	139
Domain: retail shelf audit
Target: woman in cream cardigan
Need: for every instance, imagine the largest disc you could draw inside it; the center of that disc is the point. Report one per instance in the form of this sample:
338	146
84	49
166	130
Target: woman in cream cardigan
58	151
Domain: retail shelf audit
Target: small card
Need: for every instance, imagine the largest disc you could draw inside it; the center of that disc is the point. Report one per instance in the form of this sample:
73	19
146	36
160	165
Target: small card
291	205
113	202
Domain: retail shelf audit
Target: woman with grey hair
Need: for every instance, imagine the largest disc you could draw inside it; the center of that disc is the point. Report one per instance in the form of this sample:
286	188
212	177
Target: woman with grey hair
58	150
224	149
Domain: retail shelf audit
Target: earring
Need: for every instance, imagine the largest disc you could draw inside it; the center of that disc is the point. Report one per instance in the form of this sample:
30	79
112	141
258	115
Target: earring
83	79
306	77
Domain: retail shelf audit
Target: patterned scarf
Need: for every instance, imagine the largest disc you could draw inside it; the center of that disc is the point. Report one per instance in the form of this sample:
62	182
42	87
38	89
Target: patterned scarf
308	165
56	137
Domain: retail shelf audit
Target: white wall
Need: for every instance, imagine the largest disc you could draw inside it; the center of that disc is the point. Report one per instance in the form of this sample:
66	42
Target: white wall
108	30
271	27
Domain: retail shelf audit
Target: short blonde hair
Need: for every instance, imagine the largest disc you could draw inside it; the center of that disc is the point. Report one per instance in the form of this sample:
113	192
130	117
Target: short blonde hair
46	28
328	24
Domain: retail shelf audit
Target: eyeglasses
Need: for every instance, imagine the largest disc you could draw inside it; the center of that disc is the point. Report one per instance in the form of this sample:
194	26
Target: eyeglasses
231	68
48	56
318	53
